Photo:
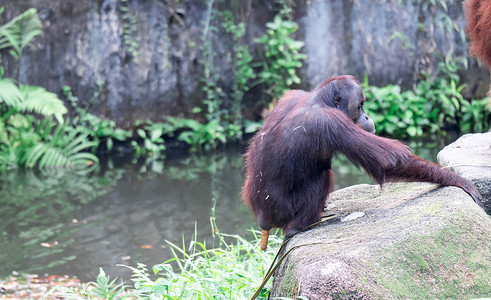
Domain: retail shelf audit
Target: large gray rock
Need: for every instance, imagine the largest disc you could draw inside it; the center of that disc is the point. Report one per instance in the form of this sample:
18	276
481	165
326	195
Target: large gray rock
409	241
470	157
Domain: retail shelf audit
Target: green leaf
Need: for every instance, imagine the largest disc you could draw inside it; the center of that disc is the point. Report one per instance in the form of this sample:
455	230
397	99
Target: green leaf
412	131
20	31
9	93
141	133
156	133
39	100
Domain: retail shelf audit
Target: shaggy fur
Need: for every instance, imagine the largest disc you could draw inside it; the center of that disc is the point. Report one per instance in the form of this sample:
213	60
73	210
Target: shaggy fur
288	162
478	13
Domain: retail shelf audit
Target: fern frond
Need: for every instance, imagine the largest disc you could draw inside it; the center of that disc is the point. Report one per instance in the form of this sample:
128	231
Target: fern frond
39	100
9	93
34	154
64	149
44	155
20	31
84	158
53	157
44	128
4	136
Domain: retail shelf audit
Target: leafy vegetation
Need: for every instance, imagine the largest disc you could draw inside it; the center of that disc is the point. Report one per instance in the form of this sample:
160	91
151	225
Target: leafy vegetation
100	131
233	270
281	57
24	139
435	103
222	111
16	34
241	60
35	133
433	106
275	73
431	50
130	30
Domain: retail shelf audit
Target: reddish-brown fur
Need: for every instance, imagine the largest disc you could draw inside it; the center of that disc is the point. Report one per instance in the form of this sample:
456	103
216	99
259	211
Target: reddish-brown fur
478	28
288	162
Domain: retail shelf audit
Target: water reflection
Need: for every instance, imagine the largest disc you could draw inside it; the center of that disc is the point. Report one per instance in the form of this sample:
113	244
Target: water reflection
120	214
61	222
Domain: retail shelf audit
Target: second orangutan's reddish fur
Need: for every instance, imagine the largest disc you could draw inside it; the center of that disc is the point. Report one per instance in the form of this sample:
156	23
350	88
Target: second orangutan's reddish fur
478	13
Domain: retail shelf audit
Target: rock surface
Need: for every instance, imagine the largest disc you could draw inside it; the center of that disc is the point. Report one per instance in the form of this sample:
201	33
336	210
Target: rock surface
149	54
470	157
413	241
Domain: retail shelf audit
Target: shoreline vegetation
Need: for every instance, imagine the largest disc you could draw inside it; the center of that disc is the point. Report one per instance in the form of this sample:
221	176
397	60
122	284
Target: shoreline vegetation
232	270
35	131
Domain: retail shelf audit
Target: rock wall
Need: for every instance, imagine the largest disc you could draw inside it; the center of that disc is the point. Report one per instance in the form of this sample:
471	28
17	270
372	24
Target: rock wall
84	42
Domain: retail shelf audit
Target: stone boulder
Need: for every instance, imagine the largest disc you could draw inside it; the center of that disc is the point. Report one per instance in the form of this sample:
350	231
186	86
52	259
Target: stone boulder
405	241
470	157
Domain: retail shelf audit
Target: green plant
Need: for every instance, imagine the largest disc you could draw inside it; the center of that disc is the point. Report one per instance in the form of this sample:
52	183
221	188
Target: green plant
26	141
105	288
153	143
432	106
43	144
430	50
19	32
230	271
102	288
26	99
199	135
213	94
15	35
285	8
222	111
240	60
281	57
475	115
98	129
129	30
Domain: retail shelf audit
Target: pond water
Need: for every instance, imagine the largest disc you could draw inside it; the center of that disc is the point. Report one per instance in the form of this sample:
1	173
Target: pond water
123	212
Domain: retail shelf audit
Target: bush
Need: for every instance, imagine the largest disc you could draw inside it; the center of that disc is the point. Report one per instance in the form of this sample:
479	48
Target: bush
432	107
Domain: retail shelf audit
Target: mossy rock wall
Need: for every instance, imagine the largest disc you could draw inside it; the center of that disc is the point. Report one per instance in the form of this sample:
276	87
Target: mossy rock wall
147	52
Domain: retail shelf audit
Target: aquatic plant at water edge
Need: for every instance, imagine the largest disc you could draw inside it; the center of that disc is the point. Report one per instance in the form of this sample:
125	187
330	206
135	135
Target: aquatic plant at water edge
43	144
24	140
102	131
233	270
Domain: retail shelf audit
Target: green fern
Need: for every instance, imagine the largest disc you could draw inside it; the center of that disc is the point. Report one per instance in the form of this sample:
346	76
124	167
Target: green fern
24	141
9	93
20	31
39	100
62	150
4	138
28	98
